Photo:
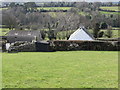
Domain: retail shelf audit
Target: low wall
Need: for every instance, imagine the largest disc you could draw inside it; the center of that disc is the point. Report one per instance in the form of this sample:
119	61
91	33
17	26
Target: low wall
22	47
30	47
85	45
59	45
2	46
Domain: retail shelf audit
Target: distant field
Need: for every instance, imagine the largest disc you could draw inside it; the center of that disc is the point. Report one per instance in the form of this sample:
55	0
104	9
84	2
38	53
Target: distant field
3	8
3	31
72	69
114	8
48	8
54	14
83	13
54	8
103	12
116	33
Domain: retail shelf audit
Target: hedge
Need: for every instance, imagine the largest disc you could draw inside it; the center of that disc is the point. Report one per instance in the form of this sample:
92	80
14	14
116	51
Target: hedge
59	45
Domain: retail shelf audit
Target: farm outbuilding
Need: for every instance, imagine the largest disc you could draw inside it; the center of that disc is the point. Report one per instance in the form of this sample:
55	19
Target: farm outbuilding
81	34
20	35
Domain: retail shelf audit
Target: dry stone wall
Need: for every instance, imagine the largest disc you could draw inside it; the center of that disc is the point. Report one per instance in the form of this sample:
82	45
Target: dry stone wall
22	47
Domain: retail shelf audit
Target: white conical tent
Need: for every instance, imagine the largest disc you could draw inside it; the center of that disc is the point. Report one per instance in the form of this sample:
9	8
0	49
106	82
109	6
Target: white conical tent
81	34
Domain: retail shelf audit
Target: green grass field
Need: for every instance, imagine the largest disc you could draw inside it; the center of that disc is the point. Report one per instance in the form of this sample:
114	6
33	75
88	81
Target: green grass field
103	12
115	33
83	13
114	8
3	31
72	69
54	8
3	8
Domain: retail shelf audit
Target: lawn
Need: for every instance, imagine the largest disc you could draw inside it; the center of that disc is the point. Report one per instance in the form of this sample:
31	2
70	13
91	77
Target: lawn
72	69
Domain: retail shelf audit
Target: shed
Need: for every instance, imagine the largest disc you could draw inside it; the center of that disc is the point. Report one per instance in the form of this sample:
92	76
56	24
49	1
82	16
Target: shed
23	35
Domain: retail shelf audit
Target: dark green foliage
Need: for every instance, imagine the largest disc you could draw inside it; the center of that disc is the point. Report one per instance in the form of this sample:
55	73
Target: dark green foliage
30	6
96	30
51	34
12	4
101	34
43	34
103	25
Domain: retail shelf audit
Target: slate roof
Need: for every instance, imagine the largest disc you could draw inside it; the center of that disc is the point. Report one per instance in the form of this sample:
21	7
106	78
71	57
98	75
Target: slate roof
81	34
23	35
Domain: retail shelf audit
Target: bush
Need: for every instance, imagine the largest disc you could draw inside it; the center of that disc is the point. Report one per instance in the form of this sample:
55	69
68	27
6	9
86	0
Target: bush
103	25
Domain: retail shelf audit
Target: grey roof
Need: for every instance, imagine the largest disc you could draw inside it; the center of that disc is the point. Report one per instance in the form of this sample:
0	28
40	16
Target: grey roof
88	33
23	35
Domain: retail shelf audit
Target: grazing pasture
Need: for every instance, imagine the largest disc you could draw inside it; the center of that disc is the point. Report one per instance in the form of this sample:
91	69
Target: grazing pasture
114	8
3	8
54	8
115	33
73	69
103	12
3	31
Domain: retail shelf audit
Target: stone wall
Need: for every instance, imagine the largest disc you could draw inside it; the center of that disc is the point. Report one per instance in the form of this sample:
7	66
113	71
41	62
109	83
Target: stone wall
2	46
68	45
22	47
59	45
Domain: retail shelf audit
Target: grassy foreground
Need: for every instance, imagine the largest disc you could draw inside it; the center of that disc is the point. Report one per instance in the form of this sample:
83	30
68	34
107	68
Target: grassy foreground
74	69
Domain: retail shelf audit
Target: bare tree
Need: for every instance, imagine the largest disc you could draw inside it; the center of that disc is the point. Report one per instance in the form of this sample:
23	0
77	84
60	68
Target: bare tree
10	20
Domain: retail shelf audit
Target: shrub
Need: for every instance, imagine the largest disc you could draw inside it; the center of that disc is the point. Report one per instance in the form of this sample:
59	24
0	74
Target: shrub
103	25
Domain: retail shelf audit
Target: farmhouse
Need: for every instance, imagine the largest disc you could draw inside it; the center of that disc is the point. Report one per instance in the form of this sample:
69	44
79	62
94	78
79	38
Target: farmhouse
20	35
81	34
23	40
